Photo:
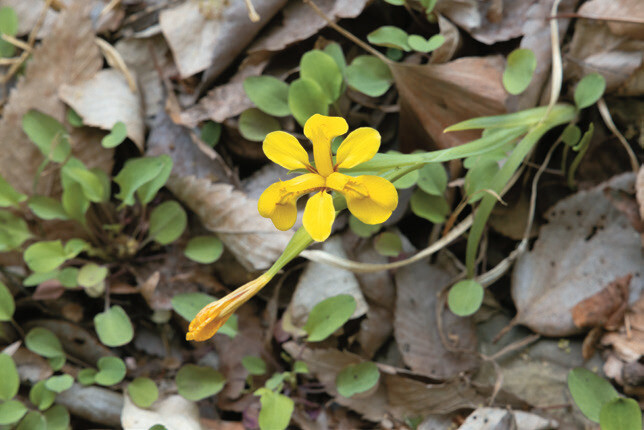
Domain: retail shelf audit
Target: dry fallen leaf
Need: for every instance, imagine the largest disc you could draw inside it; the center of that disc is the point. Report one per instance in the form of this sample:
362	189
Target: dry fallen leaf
106	404
174	412
435	96
497	418
106	99
586	244
628	342
68	56
605	308
28	13
598	47
639	191
147	58
416	329
301	22
212	41
318	282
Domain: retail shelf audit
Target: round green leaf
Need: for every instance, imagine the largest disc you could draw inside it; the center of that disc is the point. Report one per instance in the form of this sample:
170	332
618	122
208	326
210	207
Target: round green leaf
9	196
465	297
57	363
59	383
57	418
33	421
41	396
68	277
139	172
49	135
305	99
254	365
7	305
143	392
211	133
9	377
8	26
13	231
276	410
11	412
204	249
111	370
269	94
328	316
87	376
320	67
571	135
620	414
335	51
47	208
357	378
114	327
44	342
167	222
589	90
432	179
91	183
254	124
590	392
390	37
418	43
45	256
198	382
188	305
388	244
73	118
362	229
91	274
369	75
432	208
519	70
116	136
407	181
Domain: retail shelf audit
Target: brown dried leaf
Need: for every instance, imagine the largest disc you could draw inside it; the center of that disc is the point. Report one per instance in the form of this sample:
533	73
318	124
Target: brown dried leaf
639	191
415	325
435	96
223	210
214	39
225	101
586	244
605	308
28	13
621	10
447	50
596	48
147	58
301	22
68	56
106	99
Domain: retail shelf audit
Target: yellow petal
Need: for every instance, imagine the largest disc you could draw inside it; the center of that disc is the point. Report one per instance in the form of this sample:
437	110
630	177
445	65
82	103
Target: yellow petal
371	199
214	315
359	146
320	130
319	214
277	202
283	149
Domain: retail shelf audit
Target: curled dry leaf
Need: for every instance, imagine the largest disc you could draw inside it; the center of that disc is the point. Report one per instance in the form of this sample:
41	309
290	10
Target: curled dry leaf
605	308
225	101
68	56
587	244
318	283
106	99
435	96
628	342
106	405
147	58
598	47
301	22
214	39
174	412
495	418
447	50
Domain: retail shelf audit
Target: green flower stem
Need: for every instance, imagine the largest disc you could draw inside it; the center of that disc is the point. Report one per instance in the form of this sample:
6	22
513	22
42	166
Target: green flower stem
523	148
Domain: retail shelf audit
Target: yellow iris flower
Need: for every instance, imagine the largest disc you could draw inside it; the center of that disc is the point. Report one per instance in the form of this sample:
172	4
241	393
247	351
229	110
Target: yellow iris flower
371	199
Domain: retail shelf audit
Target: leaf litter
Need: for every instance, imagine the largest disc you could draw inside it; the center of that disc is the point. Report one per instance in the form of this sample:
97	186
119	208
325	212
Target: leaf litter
173	69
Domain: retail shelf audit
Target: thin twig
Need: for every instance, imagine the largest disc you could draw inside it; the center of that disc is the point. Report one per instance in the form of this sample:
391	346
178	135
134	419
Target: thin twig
347	34
252	13
597	18
608	120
